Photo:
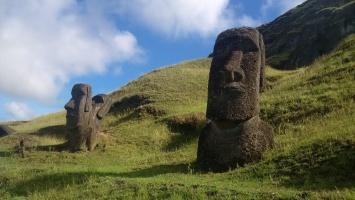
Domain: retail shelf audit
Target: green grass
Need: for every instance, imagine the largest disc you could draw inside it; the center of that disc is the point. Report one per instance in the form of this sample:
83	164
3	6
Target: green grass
279	59
152	141
347	5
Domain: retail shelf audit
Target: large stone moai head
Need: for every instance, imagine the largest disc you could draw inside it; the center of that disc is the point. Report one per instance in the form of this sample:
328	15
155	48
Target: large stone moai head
236	75
235	135
84	117
79	106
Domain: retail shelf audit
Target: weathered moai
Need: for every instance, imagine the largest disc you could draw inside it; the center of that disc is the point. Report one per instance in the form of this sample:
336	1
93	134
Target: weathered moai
234	134
84	117
101	106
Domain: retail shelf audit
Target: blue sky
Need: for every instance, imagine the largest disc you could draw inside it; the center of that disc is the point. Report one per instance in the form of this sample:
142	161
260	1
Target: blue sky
48	46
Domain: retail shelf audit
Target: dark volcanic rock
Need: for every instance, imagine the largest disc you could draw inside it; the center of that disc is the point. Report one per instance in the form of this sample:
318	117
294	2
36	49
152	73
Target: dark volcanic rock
5	130
227	145
237	75
306	32
235	134
84	117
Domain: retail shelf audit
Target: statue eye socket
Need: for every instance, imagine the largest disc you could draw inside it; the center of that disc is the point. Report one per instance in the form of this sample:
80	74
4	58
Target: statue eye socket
253	48
250	46
78	93
246	46
219	53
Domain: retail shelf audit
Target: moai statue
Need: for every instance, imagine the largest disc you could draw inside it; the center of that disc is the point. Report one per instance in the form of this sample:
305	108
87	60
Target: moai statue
235	135
84	117
101	106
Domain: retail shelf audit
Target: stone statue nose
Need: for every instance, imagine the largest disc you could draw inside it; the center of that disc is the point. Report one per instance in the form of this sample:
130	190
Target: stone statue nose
237	75
69	105
234	75
234	71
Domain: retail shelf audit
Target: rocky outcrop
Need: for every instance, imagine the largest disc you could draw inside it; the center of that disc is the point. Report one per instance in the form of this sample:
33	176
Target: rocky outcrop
5	130
306	32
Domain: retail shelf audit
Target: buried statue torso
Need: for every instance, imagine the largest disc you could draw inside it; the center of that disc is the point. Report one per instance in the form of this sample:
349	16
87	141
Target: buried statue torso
227	145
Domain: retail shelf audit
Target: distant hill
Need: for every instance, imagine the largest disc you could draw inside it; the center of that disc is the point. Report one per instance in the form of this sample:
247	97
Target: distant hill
308	31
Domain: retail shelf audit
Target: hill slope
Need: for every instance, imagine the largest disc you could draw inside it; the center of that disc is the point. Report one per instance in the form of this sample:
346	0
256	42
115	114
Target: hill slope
152	141
308	31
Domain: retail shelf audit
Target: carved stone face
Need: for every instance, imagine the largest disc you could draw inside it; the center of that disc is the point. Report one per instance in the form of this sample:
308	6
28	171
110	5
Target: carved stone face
79	106
236	75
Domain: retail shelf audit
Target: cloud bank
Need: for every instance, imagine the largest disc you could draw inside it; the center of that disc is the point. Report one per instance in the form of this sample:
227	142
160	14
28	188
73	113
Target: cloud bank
45	43
181	18
20	111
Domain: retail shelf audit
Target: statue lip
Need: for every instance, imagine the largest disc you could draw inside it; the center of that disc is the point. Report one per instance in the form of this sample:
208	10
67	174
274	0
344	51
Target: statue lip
235	85
70	115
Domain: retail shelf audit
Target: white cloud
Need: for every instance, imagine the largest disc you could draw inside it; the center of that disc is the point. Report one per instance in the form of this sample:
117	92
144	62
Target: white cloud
20	111
246	20
280	5
45	43
181	18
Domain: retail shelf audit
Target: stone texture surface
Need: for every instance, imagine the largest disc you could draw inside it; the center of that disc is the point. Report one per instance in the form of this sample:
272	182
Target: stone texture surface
227	145
236	75
84	117
101	106
235	134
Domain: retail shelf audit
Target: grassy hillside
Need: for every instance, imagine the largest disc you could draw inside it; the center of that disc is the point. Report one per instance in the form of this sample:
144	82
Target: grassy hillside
152	141
304	33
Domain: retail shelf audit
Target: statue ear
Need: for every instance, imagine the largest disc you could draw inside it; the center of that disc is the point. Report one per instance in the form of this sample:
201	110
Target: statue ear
105	108
102	112
88	102
262	64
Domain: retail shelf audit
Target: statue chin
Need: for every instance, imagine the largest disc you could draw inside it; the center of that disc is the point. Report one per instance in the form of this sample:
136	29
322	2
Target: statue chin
71	122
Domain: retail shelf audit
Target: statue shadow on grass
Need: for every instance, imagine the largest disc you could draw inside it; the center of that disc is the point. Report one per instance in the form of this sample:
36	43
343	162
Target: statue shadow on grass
158	170
57	131
34	141
186	129
180	139
42	183
4	154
